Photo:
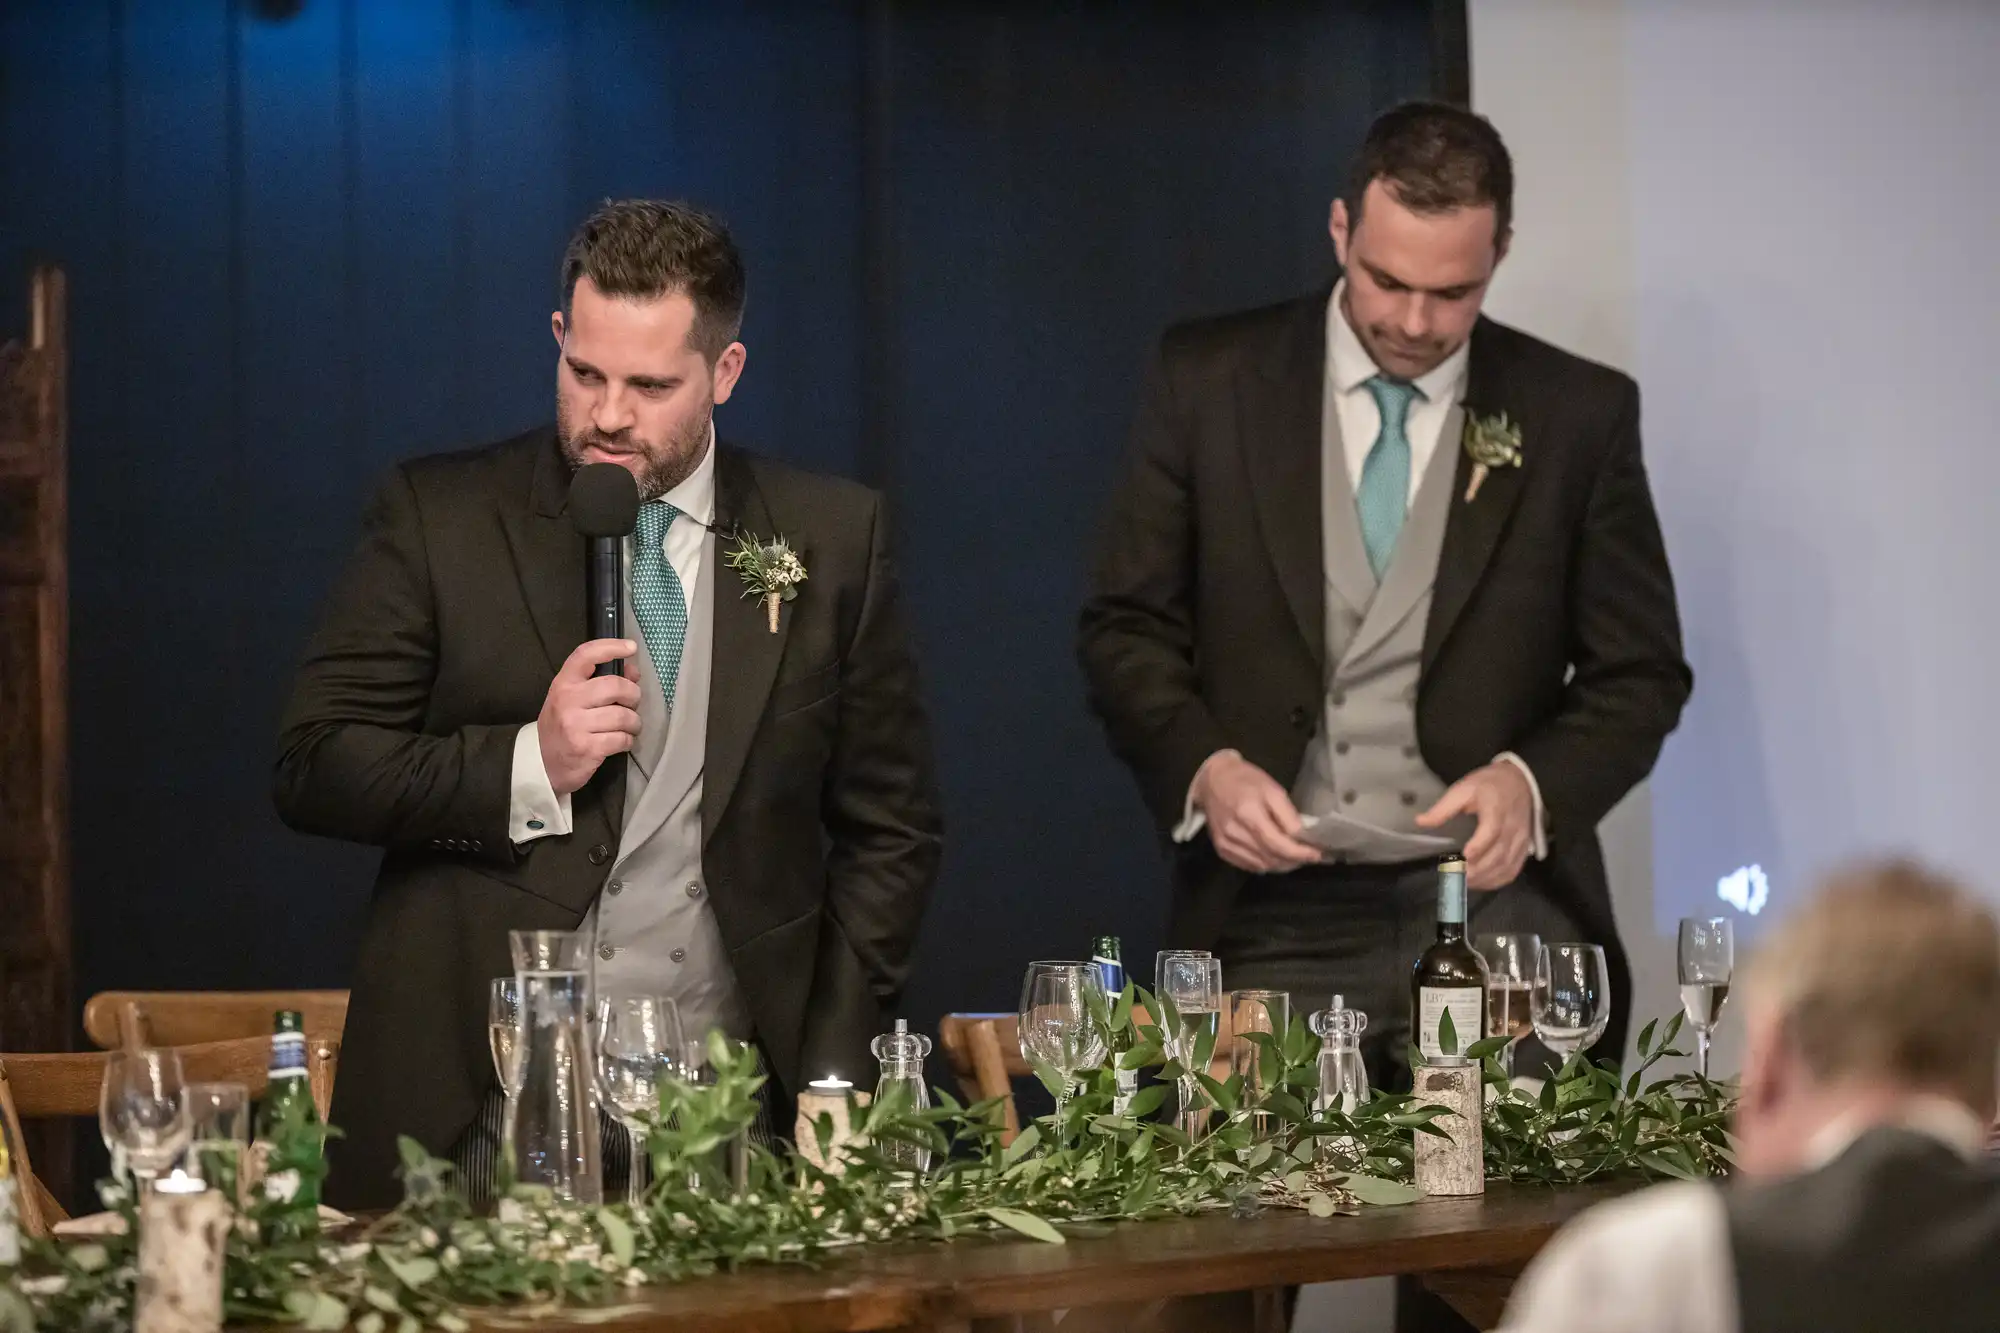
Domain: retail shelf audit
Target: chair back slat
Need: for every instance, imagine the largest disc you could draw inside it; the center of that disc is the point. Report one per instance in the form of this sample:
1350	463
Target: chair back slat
187	1018
28	1190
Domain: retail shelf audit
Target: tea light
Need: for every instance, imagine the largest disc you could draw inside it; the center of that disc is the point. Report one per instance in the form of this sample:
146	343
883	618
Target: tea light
180	1182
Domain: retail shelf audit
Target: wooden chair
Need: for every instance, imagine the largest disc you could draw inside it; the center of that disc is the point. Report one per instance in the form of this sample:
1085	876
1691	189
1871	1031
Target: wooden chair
38	1208
984	1052
116	1018
40	1087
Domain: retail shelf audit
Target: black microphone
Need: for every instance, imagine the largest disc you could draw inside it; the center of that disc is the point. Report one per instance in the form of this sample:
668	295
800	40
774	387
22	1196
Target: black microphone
604	505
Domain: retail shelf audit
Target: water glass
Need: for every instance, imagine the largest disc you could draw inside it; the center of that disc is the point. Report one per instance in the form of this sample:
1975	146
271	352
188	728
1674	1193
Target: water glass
1190	980
142	1109
1707	961
219	1134
1572	997
1268	1012
1062	1005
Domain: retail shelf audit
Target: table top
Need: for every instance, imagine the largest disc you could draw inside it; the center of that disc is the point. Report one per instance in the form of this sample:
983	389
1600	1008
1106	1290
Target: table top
903	1284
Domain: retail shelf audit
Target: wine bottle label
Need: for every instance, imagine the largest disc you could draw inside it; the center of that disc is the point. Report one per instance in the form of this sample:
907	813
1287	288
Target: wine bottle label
1112	972
1128	1088
10	1223
288	1055
1468	1018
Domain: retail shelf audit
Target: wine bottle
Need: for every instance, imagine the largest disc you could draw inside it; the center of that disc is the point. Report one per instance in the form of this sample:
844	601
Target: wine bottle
1450	978
1109	957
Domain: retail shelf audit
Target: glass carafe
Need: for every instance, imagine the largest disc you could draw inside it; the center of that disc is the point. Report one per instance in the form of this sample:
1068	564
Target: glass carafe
1343	1077
551	1138
901	1086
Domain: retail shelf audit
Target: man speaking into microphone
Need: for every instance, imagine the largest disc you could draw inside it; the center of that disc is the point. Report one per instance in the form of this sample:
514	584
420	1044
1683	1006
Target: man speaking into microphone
743	816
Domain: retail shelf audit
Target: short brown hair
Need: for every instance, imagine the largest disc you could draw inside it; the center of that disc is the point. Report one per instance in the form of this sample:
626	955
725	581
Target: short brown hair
647	248
1434	158
1893	970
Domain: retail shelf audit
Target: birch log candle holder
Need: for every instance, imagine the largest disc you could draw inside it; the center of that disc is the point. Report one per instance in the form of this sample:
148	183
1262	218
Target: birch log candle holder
1453	1166
829	1097
182	1232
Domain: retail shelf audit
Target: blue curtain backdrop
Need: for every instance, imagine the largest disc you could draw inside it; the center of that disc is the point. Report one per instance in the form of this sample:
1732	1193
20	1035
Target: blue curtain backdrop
306	239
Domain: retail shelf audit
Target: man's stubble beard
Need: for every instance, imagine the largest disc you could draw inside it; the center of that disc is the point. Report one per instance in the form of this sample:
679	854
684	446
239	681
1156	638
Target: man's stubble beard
660	471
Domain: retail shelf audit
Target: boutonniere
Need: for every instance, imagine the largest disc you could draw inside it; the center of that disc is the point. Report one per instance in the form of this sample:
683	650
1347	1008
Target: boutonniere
1490	442
771	570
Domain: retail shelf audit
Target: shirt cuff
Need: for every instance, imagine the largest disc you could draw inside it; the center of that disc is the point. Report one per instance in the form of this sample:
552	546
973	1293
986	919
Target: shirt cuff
1193	821
1541	821
533	809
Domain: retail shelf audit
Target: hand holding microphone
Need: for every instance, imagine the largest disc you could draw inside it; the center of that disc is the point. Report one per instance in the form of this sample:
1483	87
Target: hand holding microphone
592	708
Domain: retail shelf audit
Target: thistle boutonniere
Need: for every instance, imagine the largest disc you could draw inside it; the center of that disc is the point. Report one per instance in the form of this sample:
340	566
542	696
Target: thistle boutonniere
771	570
1490	442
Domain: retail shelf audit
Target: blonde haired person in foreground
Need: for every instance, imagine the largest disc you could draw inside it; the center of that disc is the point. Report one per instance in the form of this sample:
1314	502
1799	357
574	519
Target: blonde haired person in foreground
1864	1197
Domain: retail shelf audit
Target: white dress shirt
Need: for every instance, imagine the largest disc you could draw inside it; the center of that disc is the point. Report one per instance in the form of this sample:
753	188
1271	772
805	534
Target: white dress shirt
1660	1262
1349	367
534	810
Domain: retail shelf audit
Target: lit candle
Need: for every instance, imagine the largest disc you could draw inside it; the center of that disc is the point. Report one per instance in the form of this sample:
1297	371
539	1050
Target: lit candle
831	1083
825	1097
180	1182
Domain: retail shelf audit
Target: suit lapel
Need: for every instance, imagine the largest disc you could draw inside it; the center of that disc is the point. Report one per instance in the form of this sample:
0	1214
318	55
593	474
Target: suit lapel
1279	413
548	560
1473	529
746	653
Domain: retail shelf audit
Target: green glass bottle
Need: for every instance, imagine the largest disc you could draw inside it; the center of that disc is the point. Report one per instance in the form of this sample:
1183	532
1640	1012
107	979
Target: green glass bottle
1106	953
288	1127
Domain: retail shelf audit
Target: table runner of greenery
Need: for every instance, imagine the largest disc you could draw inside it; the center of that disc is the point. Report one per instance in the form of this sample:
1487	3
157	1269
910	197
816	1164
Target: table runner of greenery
433	1259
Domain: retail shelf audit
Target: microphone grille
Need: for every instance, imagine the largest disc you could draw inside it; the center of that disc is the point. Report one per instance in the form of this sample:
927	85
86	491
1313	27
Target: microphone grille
604	500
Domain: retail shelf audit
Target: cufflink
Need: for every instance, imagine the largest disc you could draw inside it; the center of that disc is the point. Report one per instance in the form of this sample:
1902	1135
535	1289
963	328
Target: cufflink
535	824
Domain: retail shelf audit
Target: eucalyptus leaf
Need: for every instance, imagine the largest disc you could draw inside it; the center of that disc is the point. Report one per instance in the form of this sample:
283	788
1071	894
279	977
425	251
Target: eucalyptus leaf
1034	1228
1379	1192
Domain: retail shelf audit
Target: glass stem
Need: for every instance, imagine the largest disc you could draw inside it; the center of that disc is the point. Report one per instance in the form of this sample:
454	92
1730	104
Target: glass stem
1701	1050
635	1166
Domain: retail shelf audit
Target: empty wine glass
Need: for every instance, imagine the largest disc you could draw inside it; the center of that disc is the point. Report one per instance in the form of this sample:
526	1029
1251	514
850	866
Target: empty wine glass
1191	981
1572	997
1510	987
142	1110
639	1043
1707	960
503	1031
1062	1004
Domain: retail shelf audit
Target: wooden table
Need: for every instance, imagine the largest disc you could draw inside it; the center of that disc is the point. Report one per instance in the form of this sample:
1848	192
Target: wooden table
1468	1248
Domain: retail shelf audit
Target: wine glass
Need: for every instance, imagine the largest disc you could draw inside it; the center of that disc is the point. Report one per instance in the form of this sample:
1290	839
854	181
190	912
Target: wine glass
1572	997
1062	1005
142	1109
1510	986
1707	958
503	1031
1191	981
639	1043
219	1133
1268	1012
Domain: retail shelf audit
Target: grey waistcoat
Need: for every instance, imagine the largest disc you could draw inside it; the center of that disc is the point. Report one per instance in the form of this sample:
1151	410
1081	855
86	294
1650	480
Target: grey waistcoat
1363	760
654	912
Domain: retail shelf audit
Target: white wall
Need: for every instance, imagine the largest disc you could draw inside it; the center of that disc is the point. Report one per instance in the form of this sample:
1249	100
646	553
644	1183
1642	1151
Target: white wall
1781	216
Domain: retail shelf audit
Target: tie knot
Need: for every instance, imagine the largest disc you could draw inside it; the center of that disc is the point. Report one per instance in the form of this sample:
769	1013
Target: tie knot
655	517
1392	399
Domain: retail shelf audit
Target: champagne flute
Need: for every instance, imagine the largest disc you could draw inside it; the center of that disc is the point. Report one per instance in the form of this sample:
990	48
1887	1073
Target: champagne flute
1707	960
1062	1004
1190	980
1572	997
142	1110
1510	985
639	1043
503	1032
219	1134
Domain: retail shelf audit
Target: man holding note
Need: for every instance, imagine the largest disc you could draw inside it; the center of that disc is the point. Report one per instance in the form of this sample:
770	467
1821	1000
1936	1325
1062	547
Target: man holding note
1383	577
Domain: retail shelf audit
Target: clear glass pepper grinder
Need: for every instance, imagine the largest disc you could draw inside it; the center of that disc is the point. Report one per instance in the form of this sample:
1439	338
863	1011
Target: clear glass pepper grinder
1343	1078
902	1055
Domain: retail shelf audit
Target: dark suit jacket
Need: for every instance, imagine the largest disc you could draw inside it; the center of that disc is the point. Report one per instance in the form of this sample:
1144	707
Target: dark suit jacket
819	817
1206	626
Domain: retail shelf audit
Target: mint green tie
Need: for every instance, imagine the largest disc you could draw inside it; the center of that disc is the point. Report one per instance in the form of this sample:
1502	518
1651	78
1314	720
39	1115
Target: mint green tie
1383	497
658	603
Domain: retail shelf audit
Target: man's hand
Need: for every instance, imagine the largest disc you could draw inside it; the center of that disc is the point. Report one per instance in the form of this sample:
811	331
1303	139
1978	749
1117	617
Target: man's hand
586	718
1499	797
1251	819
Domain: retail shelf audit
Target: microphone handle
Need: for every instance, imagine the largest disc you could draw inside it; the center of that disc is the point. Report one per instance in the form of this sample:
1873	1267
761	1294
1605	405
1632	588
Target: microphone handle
607	597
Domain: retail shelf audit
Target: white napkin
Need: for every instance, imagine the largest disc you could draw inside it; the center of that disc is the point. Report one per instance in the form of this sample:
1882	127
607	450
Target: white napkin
1343	833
